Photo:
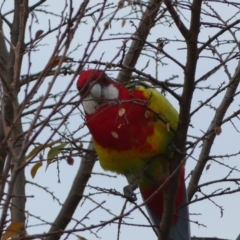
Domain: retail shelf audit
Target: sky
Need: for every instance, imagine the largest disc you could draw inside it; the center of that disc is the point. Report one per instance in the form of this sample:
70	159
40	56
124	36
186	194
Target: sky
205	212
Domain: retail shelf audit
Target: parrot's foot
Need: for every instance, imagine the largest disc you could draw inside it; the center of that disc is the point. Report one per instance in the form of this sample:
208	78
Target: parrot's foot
129	194
172	147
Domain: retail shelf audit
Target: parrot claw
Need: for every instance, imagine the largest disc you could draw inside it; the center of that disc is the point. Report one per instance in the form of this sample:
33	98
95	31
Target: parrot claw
129	194
172	147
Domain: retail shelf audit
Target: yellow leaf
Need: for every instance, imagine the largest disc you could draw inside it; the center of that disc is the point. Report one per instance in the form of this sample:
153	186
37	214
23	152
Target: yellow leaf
208	166
81	238
218	130
106	25
36	150
57	59
38	34
54	151
13	230
160	45
123	22
121	4
35	168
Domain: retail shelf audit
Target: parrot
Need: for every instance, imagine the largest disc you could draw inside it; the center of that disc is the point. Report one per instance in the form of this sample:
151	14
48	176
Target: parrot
132	127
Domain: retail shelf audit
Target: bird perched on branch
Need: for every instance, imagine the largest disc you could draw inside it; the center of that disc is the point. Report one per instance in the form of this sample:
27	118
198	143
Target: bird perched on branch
132	128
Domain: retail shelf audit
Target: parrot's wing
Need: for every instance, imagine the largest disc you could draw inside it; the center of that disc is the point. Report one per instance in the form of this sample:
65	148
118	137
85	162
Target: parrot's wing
160	105
181	230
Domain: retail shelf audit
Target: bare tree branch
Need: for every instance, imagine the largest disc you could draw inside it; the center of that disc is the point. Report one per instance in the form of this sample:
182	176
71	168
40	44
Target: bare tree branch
3	73
39	130
146	23
75	194
184	119
182	28
207	143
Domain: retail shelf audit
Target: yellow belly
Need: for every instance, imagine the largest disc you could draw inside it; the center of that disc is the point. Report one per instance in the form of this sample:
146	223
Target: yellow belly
133	161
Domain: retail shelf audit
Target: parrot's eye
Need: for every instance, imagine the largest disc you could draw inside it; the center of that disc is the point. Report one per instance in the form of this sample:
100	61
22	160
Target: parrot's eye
84	89
104	80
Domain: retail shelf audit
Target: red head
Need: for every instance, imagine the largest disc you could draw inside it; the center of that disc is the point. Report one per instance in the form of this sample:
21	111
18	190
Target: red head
89	78
94	87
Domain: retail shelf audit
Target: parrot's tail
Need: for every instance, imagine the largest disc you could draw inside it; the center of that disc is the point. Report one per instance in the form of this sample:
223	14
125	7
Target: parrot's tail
180	229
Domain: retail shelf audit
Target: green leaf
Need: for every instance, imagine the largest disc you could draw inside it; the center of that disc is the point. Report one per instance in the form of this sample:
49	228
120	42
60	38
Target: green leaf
35	168
54	151
38	149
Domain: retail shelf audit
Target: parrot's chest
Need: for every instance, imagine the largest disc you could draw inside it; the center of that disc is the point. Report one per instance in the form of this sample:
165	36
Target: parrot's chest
126	137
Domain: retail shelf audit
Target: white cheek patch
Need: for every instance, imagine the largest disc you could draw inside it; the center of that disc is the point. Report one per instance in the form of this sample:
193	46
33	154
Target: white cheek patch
110	92
96	91
89	105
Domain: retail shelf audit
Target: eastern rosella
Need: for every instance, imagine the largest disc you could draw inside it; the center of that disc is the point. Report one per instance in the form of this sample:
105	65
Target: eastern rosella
131	130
